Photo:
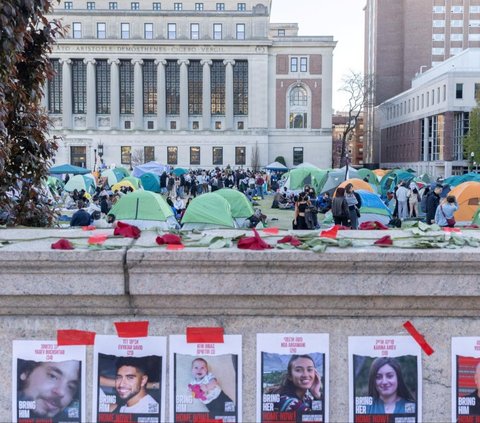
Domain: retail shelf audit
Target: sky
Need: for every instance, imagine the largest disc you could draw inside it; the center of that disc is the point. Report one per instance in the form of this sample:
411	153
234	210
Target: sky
342	19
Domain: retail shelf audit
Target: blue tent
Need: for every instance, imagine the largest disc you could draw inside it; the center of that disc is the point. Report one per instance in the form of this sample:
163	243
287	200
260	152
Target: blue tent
68	168
150	167
373	208
150	182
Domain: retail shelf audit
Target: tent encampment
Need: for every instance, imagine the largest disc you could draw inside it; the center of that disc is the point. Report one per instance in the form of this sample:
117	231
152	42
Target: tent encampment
298	178
240	206
208	211
144	209
468	199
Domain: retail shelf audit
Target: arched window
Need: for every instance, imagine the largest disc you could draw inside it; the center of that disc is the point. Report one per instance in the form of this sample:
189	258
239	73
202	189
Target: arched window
299	107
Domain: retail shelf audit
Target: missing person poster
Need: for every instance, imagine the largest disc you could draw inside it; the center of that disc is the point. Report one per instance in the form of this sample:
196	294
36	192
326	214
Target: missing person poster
206	380
292	377
466	380
129	379
385	379
48	382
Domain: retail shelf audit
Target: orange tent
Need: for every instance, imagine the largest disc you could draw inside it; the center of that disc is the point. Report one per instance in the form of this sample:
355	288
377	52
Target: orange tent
357	184
468	198
380	172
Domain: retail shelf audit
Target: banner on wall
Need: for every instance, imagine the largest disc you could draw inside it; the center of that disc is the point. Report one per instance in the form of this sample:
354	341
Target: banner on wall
292	377
205	380
466	379
385	379
48	382
129	379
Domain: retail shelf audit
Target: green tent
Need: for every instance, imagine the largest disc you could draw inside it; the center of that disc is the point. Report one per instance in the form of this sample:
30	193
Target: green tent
141	205
113	175
239	203
137	183
298	178
476	218
208	211
367	173
79	182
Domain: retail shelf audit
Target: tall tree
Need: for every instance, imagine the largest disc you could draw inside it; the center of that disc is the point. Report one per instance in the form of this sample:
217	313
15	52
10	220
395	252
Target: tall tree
471	142
357	88
26	39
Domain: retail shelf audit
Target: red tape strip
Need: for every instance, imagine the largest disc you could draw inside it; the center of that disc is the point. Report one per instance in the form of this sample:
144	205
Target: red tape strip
132	329
75	337
199	335
427	349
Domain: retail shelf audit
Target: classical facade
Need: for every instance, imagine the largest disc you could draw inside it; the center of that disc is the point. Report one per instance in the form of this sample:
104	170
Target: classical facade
192	84
423	127
404	38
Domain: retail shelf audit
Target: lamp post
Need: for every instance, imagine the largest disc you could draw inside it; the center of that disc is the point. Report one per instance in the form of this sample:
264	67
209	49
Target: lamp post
472	160
95	159
100	154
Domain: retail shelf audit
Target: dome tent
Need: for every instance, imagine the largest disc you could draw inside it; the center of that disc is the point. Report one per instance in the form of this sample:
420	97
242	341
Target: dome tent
208	211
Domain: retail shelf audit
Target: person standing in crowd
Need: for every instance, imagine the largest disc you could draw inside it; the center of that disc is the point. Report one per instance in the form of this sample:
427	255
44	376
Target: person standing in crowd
301	205
259	181
413	199
163	182
402	200
433	200
340	211
354	203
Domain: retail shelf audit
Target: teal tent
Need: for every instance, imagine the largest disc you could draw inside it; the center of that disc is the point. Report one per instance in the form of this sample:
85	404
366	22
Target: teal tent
113	175
298	178
369	175
208	211
150	182
68	168
79	182
393	178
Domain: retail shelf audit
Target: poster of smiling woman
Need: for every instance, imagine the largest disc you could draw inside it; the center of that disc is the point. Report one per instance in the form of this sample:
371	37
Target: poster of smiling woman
129	379
385	378
48	382
292	377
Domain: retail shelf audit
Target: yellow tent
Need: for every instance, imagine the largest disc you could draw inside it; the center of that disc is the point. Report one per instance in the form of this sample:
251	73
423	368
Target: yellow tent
468	198
121	184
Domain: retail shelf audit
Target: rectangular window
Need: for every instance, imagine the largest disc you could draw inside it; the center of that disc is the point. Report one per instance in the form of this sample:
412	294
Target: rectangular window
113	5
217	156
220	7
241	7
101	30
173	124
55	96
438	9
455	23
156	6
78	156
459	91
438	51
281	33
439	23
126	155
240	125
194	155
172	155
474	23
473	37
148	154
240	156
90	5
194	31
240	31
125	31
150	124
102	76
303	64
477	91
218	88
172	75
240	88
126	87
68	5
218	125
475	9
217	31
148	31
456	37
177	6
460	129
297	155
77	30
195	124
79	86
444	92
149	87
195	88
454	51
198	6
438	37
172	31
293	64
457	9
135	5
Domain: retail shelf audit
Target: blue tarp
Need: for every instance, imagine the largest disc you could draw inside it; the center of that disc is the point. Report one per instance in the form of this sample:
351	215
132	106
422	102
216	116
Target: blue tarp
68	168
150	167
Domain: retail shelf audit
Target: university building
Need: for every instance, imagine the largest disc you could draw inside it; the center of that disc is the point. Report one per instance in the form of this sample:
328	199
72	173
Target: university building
191	84
403	39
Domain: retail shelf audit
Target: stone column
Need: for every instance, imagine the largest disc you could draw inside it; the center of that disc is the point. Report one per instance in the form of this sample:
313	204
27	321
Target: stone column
161	94
138	94
67	116
91	94
183	93
229	93
206	94
114	93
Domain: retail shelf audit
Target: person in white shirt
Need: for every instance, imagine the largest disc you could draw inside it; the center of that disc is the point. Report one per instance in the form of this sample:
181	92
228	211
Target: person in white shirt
402	200
131	386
